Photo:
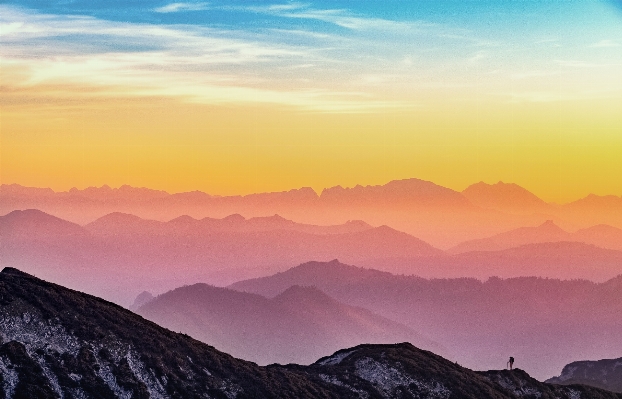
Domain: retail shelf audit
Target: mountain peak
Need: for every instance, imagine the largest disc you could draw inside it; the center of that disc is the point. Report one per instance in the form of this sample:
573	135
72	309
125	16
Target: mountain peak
183	219
142	299
550	226
119	217
235	217
33	222
29	213
509	197
297	293
14	272
406	191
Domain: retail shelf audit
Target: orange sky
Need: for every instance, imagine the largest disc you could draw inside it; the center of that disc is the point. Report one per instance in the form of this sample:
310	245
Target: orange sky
560	152
231	112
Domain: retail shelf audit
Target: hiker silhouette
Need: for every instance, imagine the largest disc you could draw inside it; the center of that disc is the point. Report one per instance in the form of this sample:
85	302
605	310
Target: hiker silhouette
511	363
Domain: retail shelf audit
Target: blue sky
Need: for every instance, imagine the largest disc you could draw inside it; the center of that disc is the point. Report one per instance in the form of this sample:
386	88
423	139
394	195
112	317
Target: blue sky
346	55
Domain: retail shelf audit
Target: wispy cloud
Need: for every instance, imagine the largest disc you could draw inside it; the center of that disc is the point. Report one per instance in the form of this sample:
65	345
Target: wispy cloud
339	17
347	62
192	63
177	7
587	64
605	43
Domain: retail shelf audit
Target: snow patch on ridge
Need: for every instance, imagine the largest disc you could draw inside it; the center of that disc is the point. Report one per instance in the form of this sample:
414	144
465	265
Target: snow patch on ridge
52	379
35	333
387	379
567	373
154	387
335	381
38	334
105	373
335	359
520	389
10	377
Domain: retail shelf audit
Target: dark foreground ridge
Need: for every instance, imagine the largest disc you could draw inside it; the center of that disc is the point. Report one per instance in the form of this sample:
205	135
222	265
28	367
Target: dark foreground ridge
59	343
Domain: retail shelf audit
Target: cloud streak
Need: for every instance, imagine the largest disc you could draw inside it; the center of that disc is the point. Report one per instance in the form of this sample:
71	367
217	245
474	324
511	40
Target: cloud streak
178	7
196	64
342	62
605	43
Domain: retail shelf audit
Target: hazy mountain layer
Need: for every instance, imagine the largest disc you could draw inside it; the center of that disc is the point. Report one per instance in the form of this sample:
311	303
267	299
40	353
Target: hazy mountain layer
438	215
543	323
558	260
61	343
602	235
121	255
298	326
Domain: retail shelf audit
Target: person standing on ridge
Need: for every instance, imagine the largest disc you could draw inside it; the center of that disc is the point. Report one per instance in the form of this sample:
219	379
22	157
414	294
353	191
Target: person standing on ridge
511	363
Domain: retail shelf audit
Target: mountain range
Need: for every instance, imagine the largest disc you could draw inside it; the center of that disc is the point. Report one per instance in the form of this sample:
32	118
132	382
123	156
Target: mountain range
438	215
543	323
558	260
603	236
604	373
299	325
58	343
119	255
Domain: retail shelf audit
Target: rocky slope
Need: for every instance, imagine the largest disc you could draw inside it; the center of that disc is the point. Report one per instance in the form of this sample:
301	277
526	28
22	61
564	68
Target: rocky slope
59	343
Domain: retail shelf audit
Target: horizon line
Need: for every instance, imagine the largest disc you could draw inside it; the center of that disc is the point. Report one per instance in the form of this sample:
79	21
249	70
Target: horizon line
303	188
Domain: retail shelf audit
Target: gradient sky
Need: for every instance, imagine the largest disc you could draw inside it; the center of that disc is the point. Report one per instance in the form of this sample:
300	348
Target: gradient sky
234	97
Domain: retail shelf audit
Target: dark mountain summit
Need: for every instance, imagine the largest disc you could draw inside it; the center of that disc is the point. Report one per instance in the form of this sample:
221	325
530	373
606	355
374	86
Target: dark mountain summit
403	371
59	343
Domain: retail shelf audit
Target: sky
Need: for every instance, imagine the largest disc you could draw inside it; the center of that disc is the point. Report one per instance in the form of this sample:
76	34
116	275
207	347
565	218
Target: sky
235	97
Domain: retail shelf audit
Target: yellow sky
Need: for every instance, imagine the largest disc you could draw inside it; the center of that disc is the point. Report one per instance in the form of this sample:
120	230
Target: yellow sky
559	150
268	98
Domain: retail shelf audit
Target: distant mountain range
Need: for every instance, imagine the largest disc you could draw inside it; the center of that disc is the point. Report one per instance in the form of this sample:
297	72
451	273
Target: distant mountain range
603	236
58	343
543	323
122	224
558	260
119	255
438	215
606	374
299	325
